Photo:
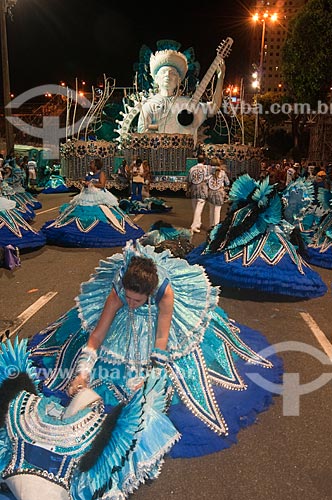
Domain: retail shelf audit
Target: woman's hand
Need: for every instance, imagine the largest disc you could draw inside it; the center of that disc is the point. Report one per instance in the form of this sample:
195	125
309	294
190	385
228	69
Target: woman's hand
79	383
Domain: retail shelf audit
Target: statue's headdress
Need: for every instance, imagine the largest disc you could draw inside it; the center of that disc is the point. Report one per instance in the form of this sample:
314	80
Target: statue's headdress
168	58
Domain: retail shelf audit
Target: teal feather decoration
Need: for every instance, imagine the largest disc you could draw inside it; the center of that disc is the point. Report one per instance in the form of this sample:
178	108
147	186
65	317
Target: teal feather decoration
324	197
273	213
123	440
242	188
262	192
168	45
246	237
298	196
14	359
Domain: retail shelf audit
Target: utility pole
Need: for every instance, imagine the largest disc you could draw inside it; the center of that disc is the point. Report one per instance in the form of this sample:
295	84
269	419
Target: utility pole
5	8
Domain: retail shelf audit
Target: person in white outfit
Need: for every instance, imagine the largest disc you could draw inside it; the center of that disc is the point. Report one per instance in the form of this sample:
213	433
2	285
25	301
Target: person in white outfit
217	180
197	191
32	172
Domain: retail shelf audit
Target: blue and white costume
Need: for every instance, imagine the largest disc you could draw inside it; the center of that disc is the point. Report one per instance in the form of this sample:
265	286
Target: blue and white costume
205	394
252	249
55	184
84	454
21	196
319	248
15	230
194	405
93	218
25	209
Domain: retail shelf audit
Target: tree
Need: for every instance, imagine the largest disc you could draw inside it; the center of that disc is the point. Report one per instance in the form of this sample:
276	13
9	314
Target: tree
306	66
307	54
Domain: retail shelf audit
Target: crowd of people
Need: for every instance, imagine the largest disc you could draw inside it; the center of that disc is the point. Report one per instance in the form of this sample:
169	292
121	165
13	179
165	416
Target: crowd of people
286	171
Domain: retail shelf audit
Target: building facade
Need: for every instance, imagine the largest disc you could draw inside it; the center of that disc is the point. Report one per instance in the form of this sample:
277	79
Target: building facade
269	31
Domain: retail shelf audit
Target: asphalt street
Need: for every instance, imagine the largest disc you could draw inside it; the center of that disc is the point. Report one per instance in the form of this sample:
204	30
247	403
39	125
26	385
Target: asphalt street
281	456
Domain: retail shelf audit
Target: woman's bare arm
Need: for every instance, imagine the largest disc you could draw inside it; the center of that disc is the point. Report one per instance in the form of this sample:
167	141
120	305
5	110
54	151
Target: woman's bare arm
164	318
112	305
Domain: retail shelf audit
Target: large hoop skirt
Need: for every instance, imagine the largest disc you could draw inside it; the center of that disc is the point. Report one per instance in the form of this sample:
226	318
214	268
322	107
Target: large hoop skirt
14	230
319	249
252	248
288	275
92	219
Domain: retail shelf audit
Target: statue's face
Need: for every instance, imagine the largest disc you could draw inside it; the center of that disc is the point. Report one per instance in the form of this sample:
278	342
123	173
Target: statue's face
167	77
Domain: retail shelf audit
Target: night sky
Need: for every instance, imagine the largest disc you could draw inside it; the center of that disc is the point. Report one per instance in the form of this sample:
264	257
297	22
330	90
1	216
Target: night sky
54	40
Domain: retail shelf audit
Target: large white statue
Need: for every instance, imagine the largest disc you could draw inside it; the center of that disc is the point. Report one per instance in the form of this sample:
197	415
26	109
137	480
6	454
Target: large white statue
170	112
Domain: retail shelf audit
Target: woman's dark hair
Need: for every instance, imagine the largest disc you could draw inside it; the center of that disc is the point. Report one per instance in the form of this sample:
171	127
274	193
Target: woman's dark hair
99	163
141	276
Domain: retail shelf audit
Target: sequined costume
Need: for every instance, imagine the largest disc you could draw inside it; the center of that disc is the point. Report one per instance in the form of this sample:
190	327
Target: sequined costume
209	386
252	249
55	184
319	248
16	231
93	218
25	209
21	196
84	454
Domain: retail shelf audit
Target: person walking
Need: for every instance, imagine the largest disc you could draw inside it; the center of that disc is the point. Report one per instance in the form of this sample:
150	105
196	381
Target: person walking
217	181
197	191
32	172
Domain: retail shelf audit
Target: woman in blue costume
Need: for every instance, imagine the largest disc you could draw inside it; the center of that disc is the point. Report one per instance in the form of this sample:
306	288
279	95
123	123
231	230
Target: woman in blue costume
16	231
93	218
252	249
25	209
310	211
319	248
144	314
15	178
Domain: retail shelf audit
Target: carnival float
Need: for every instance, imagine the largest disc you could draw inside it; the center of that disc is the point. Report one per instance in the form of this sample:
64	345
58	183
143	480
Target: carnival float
190	117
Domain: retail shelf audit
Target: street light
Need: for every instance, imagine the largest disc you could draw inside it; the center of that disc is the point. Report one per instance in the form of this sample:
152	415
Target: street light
5	8
257	83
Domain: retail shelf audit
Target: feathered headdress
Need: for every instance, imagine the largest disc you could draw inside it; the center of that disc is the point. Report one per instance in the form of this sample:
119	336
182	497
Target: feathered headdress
168	58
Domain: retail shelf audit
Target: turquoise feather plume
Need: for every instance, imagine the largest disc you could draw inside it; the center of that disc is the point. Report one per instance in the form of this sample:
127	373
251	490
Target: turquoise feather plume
14	359
324	197
241	189
262	192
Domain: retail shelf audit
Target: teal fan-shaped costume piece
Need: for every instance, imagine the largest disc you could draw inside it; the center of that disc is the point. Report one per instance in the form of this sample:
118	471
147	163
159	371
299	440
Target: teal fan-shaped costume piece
78	455
252	248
